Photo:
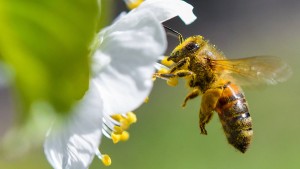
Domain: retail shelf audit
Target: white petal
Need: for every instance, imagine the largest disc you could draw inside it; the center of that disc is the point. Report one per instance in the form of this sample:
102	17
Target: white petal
167	9
133	44
74	146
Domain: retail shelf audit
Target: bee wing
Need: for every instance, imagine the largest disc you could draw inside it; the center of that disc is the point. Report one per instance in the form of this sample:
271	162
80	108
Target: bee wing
257	70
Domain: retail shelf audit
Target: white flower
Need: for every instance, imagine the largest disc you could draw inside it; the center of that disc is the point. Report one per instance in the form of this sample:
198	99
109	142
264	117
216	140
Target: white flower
74	145
122	69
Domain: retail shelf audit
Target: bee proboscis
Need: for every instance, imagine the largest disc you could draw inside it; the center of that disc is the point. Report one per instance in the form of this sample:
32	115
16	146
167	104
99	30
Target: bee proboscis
218	79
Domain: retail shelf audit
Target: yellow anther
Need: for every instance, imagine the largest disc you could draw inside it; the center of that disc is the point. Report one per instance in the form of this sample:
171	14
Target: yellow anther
106	160
146	100
117	117
124	124
131	118
131	4
118	129
124	136
172	81
163	70
115	137
166	62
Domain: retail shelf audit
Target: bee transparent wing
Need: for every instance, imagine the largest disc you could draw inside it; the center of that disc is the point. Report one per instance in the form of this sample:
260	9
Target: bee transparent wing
257	70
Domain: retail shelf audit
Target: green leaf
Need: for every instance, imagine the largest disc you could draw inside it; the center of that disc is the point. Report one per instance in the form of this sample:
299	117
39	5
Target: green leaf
46	42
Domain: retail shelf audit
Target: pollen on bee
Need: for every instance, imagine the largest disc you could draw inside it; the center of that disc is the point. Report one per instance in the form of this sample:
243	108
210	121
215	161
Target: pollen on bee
172	81
167	62
162	70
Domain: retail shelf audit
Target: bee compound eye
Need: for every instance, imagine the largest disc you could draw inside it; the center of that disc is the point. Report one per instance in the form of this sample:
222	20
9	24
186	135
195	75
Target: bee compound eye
192	46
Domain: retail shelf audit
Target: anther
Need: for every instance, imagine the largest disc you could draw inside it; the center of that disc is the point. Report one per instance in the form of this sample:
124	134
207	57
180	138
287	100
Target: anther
118	130
114	127
131	4
115	137
124	136
146	100
131	117
106	160
124	124
116	117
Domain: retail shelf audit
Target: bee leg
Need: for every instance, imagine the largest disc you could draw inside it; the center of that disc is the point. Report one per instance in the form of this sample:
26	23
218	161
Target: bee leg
208	104
172	78
183	62
191	95
164	75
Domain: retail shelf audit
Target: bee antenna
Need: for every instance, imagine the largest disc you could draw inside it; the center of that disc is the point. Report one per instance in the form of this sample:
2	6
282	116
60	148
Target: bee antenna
173	32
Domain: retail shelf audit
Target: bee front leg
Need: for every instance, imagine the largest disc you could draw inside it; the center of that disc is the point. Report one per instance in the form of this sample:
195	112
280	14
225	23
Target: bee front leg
208	104
172	78
182	63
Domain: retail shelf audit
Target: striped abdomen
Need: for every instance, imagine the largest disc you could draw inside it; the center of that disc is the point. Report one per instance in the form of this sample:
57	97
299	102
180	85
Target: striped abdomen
235	117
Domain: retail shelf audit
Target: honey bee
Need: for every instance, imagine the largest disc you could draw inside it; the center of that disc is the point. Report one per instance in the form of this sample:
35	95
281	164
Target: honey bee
218	79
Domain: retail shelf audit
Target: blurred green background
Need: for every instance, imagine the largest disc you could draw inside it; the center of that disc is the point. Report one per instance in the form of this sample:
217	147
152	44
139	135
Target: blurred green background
167	136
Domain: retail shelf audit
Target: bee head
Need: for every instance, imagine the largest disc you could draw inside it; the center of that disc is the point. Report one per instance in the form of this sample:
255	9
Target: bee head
189	47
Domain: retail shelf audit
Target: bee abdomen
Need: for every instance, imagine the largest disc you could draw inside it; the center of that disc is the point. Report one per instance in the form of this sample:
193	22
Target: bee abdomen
235	117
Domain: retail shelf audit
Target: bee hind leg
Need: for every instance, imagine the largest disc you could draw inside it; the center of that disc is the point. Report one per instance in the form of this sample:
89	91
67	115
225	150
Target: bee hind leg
208	104
204	118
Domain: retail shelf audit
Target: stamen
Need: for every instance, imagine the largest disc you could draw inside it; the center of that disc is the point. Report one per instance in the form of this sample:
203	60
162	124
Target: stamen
114	127
131	117
115	137
106	160
110	122
116	117
124	136
131	4
118	130
124	124
106	132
